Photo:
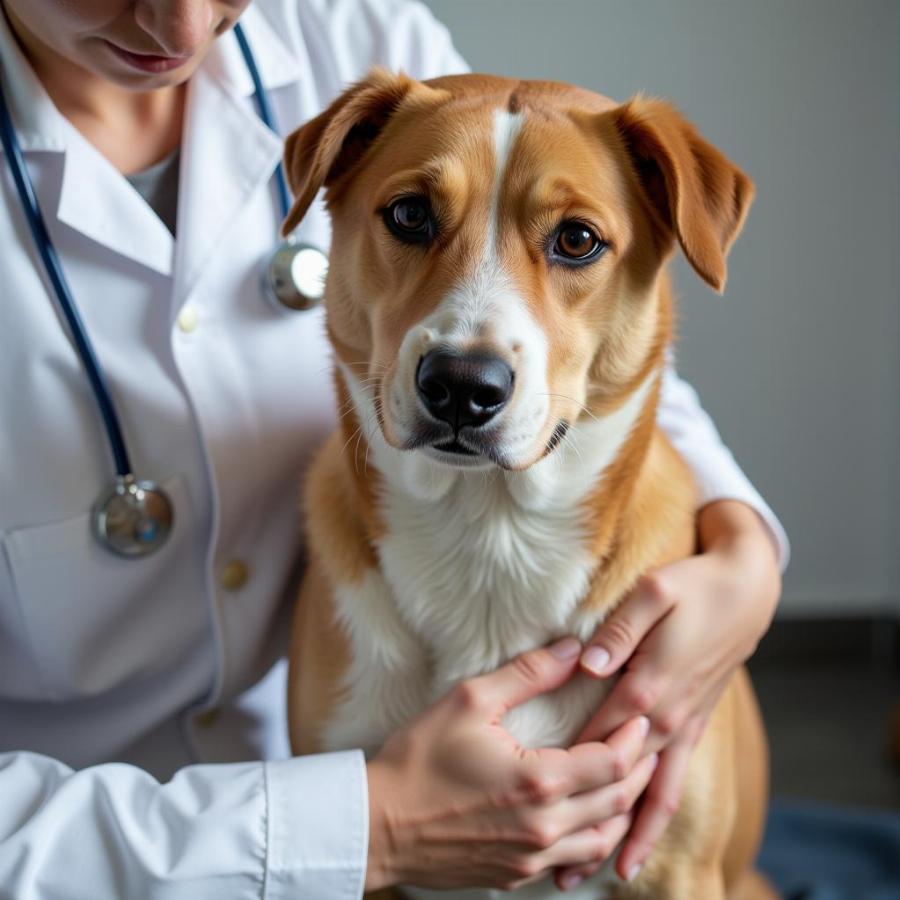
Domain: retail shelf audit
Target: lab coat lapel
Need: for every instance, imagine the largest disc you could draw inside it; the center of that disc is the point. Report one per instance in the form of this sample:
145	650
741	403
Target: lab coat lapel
98	201
228	153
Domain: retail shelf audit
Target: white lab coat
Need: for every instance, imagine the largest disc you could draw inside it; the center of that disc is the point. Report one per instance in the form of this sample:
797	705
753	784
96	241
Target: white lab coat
117	674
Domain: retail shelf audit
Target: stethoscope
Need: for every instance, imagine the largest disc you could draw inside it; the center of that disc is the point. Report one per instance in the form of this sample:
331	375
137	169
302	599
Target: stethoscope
134	517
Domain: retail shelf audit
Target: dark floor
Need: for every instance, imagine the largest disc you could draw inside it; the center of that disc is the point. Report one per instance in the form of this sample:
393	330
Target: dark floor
828	691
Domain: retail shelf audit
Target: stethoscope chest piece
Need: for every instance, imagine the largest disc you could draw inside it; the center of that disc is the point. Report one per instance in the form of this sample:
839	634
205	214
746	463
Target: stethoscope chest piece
133	518
294	277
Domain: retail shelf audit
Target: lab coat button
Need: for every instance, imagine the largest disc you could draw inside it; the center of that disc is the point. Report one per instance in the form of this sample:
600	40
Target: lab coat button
235	575
188	318
208	718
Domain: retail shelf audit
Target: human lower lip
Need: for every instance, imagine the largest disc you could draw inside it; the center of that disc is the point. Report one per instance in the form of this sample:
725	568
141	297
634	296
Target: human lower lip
149	63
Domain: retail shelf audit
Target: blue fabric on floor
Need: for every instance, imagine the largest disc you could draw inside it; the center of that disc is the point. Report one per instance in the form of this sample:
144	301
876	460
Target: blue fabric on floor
813	852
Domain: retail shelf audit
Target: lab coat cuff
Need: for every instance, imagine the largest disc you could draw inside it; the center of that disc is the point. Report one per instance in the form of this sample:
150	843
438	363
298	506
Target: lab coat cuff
720	478
317	827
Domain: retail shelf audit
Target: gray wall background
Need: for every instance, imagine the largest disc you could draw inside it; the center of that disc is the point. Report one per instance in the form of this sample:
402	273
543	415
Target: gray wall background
799	363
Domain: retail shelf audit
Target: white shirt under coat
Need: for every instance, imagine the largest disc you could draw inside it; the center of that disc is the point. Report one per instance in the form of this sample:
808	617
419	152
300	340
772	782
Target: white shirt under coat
137	696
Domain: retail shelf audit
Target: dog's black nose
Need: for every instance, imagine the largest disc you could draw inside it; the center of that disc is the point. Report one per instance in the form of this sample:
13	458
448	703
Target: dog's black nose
463	389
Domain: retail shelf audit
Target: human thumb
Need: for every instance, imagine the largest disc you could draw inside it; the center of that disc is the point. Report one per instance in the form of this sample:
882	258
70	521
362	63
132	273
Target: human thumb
528	675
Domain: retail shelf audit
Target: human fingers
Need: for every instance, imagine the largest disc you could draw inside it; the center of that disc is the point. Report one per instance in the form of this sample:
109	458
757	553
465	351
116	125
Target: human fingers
618	637
658	807
688	716
586	850
583	810
554	773
609	835
522	678
636	693
566	833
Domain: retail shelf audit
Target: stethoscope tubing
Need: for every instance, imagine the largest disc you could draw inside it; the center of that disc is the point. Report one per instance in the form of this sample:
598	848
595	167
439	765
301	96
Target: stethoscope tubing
265	113
65	301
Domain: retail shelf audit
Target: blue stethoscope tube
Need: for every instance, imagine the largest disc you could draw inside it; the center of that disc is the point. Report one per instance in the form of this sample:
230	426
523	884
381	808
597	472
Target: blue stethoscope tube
265	113
134	517
61	288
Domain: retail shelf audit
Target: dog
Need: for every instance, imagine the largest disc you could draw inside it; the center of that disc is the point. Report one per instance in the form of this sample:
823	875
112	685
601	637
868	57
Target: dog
500	310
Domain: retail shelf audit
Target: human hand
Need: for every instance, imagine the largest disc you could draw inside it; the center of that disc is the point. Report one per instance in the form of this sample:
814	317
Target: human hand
455	802
680	635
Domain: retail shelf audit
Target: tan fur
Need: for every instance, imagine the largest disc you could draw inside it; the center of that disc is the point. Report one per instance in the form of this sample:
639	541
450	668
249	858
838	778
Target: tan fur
644	179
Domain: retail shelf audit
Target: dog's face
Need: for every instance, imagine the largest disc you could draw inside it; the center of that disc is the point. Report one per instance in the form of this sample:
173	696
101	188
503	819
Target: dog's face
497	249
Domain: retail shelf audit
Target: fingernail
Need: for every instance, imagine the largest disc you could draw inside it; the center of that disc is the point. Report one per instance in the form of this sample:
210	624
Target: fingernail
644	726
654	761
567	648
570	881
633	872
594	659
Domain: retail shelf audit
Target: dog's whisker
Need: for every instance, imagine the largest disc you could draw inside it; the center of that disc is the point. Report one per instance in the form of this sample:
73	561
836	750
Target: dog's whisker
346	443
580	405
356	452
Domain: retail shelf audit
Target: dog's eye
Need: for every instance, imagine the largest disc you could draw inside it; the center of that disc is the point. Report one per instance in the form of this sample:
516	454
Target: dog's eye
576	242
410	219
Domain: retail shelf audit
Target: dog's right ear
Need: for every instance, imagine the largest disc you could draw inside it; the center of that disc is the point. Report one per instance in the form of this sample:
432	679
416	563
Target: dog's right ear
328	146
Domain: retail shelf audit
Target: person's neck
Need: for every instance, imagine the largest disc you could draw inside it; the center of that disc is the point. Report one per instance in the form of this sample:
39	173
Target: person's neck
133	129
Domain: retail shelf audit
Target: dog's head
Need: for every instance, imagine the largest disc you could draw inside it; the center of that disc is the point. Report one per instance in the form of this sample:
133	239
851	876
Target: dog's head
497	252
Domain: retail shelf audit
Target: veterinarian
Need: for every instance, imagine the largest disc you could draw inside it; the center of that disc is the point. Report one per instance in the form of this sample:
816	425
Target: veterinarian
138	690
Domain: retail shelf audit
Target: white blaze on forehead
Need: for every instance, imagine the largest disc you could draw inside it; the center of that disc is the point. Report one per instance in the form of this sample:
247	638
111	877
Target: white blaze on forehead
506	129
487	296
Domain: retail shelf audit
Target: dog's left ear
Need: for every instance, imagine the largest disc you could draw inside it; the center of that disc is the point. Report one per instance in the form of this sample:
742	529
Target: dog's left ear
700	195
318	153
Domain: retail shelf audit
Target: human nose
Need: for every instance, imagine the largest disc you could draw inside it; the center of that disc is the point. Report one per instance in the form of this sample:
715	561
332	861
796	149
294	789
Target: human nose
180	27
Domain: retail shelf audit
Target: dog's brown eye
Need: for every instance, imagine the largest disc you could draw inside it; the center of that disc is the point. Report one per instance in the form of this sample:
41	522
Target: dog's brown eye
409	218
576	241
410	214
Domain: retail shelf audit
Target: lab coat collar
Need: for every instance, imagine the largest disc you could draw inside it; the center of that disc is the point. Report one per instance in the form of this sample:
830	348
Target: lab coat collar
277	65
227	151
227	155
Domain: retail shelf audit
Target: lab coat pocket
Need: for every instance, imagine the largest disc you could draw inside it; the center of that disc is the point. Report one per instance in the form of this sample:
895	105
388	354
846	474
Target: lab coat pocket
93	620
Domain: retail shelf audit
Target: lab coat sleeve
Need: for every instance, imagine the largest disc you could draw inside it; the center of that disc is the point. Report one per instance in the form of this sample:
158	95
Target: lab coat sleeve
716	473
284	829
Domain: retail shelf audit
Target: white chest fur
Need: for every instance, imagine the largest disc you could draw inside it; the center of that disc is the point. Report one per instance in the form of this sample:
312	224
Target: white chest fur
467	581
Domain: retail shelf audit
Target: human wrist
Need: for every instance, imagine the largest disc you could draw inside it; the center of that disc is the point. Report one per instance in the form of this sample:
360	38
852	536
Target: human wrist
734	533
734	527
380	867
